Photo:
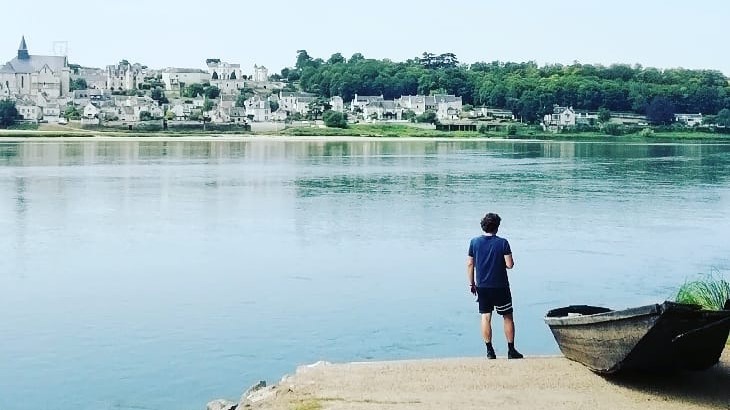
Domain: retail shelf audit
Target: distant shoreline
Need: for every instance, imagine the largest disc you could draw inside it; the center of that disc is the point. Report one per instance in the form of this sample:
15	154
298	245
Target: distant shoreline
232	138
73	135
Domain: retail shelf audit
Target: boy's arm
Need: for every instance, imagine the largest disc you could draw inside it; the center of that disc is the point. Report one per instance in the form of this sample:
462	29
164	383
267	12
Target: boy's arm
470	275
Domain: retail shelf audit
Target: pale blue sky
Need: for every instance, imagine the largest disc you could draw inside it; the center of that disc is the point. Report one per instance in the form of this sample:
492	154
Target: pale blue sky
162	33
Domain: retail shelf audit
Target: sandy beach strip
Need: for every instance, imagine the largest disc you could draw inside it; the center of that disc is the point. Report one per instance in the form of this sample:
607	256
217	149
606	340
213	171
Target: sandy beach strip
478	383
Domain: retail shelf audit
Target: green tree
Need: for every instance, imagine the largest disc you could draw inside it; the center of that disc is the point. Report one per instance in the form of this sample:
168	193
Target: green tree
78	84
303	60
212	92
613	129
195	115
723	118
604	115
8	113
207	105
660	110
158	95
71	112
247	92
317	107
409	115
273	105
193	90
428	117
334	119
524	88
145	116
169	115
336	58
241	100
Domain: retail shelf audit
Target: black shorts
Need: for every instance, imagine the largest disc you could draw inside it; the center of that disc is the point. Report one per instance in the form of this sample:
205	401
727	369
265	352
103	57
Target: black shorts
495	298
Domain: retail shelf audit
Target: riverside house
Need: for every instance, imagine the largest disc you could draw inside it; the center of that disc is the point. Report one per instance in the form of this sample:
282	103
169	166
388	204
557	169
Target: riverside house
689	120
561	117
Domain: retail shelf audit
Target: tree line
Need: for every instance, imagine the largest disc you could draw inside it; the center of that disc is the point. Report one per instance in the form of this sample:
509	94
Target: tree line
529	90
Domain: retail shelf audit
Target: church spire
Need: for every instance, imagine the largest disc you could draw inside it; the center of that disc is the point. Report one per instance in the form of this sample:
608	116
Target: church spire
23	50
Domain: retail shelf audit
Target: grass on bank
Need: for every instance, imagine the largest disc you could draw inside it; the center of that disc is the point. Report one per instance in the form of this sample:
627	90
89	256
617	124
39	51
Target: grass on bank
311	404
512	131
374	130
709	293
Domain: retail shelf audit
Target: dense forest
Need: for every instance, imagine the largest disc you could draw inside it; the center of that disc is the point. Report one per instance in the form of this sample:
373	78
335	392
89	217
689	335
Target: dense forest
525	88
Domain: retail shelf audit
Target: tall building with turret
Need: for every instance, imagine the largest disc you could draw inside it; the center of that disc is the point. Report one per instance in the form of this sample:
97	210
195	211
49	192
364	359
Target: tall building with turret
30	75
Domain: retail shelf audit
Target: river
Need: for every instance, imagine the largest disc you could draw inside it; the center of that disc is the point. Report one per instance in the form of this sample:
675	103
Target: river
158	275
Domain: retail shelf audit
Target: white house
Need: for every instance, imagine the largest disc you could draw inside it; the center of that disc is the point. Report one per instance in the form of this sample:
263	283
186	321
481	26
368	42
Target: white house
180	111
382	110
360	101
238	115
448	107
259	108
291	102
52	112
560	118
689	120
337	104
417	103
28	109
91	115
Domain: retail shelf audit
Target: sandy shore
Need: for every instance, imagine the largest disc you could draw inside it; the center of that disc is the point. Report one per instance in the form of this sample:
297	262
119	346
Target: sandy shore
477	383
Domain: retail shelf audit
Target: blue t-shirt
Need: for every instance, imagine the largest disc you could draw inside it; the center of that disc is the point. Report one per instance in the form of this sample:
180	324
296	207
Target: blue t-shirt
488	253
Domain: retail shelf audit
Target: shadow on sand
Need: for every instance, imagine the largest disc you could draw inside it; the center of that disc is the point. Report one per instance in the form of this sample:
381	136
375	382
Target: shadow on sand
709	387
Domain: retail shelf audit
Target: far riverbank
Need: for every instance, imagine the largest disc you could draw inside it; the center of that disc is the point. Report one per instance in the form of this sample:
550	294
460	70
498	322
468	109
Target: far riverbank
54	136
359	132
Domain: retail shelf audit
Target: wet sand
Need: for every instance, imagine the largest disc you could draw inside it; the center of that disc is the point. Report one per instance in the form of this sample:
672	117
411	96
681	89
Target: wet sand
477	383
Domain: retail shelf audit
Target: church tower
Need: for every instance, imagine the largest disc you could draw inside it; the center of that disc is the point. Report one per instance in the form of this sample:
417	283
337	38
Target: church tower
23	50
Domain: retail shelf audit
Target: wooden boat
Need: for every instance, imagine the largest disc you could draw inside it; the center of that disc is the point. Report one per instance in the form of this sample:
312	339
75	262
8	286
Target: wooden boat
670	336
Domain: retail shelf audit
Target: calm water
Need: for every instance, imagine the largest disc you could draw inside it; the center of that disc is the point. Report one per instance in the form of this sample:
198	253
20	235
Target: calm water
154	275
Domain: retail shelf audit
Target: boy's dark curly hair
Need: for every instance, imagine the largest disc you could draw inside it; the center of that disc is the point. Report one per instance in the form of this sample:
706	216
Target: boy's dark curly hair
490	223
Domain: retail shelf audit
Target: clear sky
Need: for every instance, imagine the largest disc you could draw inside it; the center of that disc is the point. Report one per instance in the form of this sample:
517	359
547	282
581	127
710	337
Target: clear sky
166	33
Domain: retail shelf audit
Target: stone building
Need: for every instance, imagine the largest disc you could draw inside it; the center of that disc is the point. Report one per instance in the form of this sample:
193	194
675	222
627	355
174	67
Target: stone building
31	75
226	76
260	74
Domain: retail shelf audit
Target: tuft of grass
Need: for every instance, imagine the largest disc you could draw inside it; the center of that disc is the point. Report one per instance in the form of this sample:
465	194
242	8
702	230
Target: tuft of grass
311	404
709	293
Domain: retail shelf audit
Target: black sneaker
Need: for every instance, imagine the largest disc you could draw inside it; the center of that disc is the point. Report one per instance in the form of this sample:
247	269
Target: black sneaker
514	354
491	354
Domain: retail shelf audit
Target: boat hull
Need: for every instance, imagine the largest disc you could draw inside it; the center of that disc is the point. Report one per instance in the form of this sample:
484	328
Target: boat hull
654	337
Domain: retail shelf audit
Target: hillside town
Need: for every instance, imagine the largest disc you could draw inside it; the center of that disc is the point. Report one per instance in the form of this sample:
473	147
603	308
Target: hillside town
47	89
